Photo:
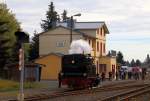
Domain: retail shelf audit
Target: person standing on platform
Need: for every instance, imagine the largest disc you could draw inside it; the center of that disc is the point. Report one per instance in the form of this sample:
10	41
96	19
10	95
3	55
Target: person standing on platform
110	76
117	75
103	76
59	80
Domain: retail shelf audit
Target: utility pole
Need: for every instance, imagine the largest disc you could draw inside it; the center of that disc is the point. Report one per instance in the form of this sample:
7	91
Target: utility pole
71	25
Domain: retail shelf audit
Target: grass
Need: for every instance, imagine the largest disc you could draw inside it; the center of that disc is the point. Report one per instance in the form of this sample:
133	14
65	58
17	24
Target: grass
10	88
8	85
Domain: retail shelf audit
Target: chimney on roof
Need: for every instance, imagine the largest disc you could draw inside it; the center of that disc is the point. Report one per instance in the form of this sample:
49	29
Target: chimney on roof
71	24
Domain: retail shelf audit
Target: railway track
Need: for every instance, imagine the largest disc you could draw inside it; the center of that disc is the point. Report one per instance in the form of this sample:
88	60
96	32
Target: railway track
110	87
129	94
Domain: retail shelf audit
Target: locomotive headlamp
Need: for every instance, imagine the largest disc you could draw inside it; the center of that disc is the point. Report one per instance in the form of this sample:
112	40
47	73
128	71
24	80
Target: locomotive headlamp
61	74
84	74
72	61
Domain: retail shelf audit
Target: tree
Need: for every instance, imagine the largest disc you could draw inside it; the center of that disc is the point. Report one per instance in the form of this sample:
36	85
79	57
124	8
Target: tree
3	45
34	47
127	63
147	60
64	16
51	18
120	58
133	64
8	26
109	53
138	62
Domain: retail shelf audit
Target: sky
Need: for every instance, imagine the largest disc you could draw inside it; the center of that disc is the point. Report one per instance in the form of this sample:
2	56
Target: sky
128	21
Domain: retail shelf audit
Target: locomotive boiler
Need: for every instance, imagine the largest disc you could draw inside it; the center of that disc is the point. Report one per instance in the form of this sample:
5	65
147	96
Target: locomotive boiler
78	71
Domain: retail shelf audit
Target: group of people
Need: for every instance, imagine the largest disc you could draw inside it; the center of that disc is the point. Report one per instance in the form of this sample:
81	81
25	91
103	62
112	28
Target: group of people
122	75
135	74
103	76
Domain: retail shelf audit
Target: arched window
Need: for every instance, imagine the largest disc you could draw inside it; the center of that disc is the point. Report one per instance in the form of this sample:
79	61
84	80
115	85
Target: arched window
104	48
97	46
101	48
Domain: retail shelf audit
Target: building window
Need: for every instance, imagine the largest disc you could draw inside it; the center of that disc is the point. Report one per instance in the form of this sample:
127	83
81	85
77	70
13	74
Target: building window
105	69
89	42
102	68
113	68
101	48
60	44
92	44
97	65
101	31
104	49
97	46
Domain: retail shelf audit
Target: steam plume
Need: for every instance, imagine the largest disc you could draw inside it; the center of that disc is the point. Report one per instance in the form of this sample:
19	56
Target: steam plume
80	47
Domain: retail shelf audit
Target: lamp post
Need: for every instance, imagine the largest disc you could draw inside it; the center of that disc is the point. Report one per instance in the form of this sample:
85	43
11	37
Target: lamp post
71	25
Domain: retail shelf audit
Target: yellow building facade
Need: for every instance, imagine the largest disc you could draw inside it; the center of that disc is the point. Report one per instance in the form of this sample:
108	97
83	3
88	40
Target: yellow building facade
57	40
52	66
107	64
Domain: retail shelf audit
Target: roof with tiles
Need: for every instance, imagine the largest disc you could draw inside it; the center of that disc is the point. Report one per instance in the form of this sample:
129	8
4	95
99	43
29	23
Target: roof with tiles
75	30
86	25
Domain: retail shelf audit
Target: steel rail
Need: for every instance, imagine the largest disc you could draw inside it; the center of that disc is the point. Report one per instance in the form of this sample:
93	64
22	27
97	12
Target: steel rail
109	87
128	94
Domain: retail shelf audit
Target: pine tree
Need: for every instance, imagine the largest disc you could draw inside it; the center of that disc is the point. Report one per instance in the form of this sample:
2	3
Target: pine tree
8	26
51	18
34	47
147	60
120	58
3	45
64	16
138	62
127	63
133	64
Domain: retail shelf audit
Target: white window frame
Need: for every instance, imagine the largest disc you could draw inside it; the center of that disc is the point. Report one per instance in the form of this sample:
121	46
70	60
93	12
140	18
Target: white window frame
60	44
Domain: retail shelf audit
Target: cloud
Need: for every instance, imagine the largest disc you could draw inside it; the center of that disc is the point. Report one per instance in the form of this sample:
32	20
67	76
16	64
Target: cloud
127	20
130	50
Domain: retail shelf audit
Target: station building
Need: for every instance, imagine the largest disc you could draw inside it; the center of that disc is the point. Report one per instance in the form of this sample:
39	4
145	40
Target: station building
57	41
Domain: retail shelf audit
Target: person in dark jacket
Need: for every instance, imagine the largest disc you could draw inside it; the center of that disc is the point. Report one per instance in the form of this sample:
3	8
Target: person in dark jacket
117	75
110	76
103	76
59	80
97	81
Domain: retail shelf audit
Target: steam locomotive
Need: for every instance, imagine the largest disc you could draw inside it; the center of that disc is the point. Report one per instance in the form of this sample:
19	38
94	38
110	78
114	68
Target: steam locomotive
78	71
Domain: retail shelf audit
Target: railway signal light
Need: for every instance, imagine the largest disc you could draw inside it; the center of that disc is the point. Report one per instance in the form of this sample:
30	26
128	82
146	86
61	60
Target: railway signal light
22	38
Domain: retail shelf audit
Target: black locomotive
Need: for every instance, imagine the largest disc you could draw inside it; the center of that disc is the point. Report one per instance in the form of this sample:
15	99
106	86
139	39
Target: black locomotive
78	71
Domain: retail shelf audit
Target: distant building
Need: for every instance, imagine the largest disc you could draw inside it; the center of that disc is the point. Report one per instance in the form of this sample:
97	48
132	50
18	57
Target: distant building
32	71
57	40
52	66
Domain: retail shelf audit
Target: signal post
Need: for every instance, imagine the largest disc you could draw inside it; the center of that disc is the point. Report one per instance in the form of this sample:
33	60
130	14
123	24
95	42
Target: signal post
21	39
